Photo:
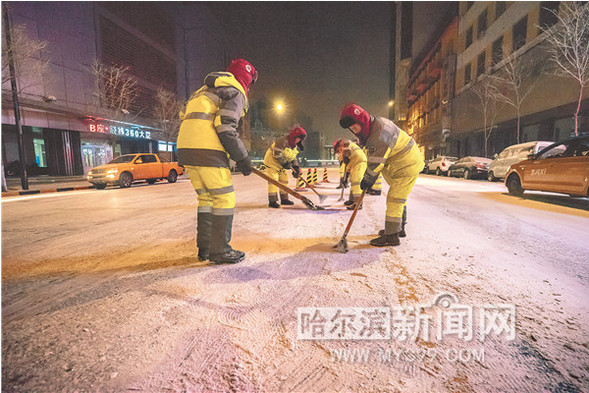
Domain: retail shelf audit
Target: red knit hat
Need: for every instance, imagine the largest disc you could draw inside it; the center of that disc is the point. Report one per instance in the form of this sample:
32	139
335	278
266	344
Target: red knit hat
355	114
244	72
297	132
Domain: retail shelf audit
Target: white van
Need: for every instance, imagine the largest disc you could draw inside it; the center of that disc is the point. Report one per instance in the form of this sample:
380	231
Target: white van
513	155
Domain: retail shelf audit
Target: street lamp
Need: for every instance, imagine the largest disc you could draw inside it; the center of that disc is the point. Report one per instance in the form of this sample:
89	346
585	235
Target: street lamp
280	110
391	103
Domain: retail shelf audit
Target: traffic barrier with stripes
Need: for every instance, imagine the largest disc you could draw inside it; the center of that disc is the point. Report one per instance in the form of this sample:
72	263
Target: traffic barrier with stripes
301	184
315	177
325	179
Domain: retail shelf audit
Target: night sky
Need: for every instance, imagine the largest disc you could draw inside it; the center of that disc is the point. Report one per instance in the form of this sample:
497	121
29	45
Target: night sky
315	57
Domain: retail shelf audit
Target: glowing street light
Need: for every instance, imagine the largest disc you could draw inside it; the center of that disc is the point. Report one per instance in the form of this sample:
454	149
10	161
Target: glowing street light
391	103
279	107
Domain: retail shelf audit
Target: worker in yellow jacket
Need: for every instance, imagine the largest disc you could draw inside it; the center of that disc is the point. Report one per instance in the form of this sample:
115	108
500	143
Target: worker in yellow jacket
392	152
281	156
355	161
207	139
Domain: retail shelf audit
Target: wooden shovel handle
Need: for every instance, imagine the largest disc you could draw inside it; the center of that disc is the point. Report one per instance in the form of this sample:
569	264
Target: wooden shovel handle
358	203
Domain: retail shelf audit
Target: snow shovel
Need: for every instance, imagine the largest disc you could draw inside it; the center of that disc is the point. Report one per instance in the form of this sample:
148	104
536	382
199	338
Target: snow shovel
286	189
342	246
322	198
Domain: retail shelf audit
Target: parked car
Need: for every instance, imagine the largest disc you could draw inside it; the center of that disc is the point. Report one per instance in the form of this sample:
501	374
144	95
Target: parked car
470	167
562	167
512	155
126	169
440	164
425	169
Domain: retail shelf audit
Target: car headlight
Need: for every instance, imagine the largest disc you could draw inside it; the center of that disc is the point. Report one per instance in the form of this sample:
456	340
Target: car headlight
90	173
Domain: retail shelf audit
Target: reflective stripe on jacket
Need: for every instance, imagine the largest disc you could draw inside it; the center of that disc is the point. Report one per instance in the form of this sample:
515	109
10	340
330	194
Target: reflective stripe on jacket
280	154
391	147
208	133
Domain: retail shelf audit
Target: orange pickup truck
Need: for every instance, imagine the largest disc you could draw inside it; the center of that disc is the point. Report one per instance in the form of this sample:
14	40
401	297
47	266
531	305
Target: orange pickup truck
126	169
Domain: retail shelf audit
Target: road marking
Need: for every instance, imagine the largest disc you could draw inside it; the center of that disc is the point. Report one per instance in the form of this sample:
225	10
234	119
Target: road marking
48	195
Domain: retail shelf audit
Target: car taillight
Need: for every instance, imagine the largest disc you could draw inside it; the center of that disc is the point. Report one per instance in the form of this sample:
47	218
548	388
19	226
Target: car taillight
481	166
443	164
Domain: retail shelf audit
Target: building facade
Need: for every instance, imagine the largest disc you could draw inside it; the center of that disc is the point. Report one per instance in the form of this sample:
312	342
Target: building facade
431	90
481	40
65	130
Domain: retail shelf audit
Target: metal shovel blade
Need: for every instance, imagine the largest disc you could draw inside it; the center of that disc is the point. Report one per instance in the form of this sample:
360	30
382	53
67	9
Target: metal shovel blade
342	246
322	199
311	205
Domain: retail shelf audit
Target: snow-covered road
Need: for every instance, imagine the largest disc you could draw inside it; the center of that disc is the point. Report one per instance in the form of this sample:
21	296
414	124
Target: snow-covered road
101	291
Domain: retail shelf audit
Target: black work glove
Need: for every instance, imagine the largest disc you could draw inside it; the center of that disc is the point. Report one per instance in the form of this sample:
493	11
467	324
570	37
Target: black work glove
367	182
346	160
300	146
244	166
296	171
346	179
288	165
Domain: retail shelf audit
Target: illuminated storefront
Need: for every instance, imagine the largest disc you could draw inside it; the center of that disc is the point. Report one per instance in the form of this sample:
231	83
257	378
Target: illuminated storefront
61	152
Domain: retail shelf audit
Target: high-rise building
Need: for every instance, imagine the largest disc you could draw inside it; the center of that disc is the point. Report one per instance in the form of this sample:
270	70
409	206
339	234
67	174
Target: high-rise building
493	35
482	39
66	131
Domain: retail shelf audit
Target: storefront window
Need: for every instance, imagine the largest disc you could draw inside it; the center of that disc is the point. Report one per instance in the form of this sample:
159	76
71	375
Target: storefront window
40	157
165	146
88	155
564	129
95	153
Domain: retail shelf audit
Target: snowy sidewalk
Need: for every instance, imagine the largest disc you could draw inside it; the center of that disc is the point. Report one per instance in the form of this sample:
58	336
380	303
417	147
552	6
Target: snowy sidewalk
45	184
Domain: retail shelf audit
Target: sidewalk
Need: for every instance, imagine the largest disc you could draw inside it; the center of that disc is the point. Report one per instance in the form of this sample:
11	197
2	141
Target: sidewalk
42	184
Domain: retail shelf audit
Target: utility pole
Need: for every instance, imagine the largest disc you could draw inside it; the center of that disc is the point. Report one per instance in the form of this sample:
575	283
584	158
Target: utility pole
21	148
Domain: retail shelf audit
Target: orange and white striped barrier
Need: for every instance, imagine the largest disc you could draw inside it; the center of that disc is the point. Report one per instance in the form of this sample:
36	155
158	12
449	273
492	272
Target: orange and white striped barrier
325	179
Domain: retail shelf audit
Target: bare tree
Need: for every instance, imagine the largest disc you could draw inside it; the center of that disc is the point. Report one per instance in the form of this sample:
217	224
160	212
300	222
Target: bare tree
568	43
115	90
485	90
514	81
30	59
167	108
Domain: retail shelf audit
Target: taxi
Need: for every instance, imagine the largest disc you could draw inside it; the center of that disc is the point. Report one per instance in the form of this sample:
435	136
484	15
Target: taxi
562	167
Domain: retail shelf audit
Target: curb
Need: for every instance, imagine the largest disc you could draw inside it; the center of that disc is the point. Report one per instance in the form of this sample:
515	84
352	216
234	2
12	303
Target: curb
32	192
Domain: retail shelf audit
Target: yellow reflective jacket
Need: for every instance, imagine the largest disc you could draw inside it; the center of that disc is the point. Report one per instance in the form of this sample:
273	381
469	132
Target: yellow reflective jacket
391	149
280	155
208	133
355	154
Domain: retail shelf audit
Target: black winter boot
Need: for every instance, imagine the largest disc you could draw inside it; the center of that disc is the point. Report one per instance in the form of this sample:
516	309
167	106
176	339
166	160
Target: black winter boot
286	202
220	250
401	234
274	204
353	206
386	240
204	222
350	200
